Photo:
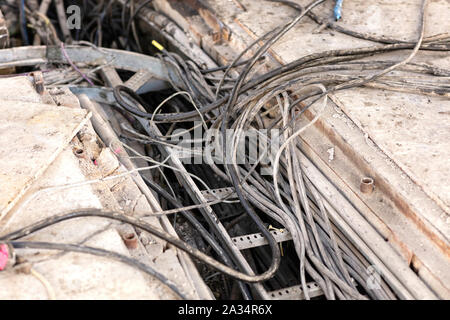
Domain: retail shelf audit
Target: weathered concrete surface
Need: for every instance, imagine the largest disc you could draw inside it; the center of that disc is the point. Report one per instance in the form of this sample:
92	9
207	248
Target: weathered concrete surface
78	275
413	130
72	275
31	136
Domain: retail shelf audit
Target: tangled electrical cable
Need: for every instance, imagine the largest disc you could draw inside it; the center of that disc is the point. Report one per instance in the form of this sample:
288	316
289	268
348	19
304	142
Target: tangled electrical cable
223	101
11	237
294	200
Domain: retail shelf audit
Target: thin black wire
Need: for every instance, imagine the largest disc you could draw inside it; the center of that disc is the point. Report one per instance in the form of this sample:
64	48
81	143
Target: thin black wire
146	227
197	225
276	258
130	20
102	253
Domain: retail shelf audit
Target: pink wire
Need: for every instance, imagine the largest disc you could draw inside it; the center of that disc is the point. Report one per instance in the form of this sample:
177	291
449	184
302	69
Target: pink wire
73	65
4	256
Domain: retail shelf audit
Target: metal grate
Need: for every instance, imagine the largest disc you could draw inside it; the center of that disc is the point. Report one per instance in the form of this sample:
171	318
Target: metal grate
214	194
296	292
257	239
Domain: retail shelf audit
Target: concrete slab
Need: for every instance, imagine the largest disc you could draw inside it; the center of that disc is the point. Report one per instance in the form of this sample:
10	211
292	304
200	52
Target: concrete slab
31	136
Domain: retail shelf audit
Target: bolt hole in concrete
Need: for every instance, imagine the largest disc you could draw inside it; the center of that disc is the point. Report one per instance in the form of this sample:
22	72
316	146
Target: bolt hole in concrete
79	152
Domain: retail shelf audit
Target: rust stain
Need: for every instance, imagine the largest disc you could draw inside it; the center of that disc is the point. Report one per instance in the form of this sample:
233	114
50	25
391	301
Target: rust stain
190	8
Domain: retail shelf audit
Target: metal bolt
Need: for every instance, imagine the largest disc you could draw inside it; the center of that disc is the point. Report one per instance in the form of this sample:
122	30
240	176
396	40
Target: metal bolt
367	185
130	240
